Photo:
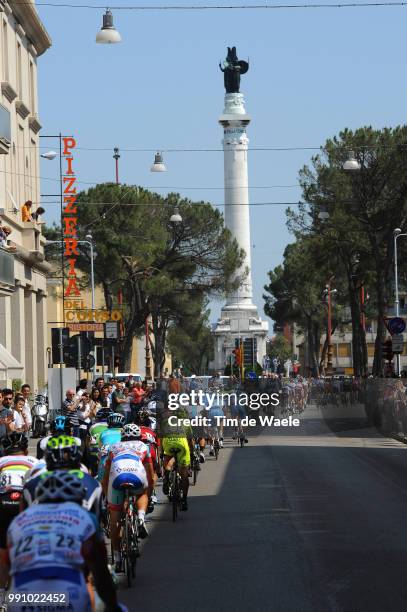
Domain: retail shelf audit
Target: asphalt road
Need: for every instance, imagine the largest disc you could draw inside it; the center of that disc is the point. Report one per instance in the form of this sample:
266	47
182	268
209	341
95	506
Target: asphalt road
306	519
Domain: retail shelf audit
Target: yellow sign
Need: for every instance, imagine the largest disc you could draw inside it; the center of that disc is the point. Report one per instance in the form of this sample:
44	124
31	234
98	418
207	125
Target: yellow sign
77	311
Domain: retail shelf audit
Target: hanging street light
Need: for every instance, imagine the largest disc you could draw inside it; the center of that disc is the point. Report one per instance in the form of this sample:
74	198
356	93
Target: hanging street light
49	155
108	34
351	164
158	165
176	217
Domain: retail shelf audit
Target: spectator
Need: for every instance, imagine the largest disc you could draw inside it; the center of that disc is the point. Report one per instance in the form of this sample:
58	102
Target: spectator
94	402
26	211
83	383
84	417
118	398
26	392
6	415
70	410
3	236
105	400
138	396
19	422
99	383
174	385
40	211
127	404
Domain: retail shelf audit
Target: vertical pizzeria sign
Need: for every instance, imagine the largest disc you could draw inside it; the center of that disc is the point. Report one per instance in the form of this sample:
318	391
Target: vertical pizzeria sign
70	219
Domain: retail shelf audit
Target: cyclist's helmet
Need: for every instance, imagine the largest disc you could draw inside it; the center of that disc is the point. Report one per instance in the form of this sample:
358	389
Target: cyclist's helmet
58	425
59	486
131	431
14	442
102	414
62	452
115	420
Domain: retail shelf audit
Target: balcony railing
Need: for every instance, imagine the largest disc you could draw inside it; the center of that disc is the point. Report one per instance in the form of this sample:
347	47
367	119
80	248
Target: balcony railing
6	270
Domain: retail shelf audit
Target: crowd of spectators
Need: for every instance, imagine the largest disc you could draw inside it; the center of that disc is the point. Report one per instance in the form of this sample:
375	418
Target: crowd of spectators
15	410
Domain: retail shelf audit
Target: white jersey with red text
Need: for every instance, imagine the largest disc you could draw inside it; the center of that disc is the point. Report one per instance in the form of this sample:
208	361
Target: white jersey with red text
13	468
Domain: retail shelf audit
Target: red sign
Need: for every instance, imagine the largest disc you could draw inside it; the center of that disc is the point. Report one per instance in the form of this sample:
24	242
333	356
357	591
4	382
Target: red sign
70	220
78	327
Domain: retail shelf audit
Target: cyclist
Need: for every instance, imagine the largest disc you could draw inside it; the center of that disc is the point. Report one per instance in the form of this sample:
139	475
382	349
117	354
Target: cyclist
64	453
109	436
177	442
14	464
128	465
59	426
92	446
149	437
51	541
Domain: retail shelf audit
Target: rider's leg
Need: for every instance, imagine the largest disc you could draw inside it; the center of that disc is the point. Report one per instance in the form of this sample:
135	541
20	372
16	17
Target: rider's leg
167	465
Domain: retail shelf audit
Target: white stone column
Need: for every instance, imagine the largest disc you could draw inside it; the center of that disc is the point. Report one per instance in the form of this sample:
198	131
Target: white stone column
41	313
5	320
18	328
30	330
237	219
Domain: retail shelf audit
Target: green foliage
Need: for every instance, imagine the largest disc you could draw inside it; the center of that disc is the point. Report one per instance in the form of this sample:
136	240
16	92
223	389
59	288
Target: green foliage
161	269
16	384
355	245
279	347
190	340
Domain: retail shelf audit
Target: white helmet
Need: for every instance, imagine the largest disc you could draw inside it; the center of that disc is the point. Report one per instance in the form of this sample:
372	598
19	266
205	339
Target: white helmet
131	431
59	486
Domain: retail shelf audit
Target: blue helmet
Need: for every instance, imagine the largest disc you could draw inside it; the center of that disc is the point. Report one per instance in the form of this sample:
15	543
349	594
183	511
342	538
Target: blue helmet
58	425
102	414
116	420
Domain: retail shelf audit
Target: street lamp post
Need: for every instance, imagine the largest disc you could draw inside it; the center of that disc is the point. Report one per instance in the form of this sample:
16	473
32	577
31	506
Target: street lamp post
328	292
396	234
116	157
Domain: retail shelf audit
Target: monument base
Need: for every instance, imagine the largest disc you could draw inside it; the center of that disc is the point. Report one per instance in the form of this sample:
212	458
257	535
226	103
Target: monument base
239	323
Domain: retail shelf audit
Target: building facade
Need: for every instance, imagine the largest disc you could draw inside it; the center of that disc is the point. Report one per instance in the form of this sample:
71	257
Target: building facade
23	313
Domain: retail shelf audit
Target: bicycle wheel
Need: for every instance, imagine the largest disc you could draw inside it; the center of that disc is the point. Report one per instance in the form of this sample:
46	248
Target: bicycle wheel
216	450
128	556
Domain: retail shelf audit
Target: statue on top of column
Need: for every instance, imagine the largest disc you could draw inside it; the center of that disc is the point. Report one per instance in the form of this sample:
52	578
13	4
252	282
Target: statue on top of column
232	68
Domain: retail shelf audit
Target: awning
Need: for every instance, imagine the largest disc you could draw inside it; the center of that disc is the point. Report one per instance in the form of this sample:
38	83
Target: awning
9	366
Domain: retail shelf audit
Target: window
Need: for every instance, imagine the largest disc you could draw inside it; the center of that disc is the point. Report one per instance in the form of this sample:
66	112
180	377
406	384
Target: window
5	52
19	74
32	91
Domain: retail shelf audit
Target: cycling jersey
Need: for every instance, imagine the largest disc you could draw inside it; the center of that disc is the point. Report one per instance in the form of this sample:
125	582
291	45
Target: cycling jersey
91	501
45	550
107	438
110	436
127	470
177	447
13	469
149	437
96	430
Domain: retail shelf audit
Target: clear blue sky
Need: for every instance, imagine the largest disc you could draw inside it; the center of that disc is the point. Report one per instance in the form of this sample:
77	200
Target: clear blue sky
312	73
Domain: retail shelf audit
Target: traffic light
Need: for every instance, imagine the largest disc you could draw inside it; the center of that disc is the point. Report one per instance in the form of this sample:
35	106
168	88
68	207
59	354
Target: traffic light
238	354
387	350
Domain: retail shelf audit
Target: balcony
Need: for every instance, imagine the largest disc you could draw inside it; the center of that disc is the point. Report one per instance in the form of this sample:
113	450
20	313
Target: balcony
7	282
5	130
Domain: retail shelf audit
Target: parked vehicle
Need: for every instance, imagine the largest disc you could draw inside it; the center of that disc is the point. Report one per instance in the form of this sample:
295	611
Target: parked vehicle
40	414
